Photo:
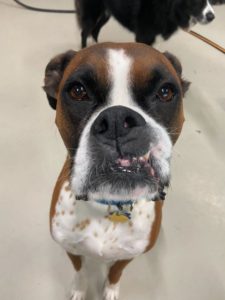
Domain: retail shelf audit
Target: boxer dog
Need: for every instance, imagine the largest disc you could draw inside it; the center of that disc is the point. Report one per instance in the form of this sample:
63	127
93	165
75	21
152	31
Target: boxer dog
119	111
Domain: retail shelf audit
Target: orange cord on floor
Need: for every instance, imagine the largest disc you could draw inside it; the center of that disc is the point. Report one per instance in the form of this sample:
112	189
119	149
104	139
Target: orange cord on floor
206	40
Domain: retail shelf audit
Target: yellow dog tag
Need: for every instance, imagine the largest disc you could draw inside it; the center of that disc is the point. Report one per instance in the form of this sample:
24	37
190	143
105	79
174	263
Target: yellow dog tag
118	217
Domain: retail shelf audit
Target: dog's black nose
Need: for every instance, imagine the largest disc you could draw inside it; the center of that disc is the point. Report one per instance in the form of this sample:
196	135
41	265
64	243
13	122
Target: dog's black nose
210	16
117	122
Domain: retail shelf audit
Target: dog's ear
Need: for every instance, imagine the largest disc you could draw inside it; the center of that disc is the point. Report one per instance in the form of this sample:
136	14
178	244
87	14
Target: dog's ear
53	75
177	66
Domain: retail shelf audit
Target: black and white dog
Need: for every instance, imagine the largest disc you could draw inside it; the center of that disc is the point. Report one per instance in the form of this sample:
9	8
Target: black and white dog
146	18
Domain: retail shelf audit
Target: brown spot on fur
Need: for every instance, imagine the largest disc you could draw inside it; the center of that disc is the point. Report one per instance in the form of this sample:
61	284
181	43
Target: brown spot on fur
67	188
84	224
76	261
63	212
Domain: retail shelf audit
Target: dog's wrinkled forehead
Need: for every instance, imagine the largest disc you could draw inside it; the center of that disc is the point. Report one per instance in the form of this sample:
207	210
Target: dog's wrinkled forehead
109	61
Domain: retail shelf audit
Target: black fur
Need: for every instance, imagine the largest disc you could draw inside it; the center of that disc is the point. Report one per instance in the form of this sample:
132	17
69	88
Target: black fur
146	18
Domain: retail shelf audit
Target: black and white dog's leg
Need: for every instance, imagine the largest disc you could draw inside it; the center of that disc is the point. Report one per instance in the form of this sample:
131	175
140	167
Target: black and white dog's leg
101	22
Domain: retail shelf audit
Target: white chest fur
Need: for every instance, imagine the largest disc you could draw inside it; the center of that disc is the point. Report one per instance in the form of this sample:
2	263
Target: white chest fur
82	228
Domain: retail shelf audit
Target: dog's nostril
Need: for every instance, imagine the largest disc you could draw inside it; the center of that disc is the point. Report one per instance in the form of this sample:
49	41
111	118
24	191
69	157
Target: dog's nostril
102	127
210	16
117	122
129	122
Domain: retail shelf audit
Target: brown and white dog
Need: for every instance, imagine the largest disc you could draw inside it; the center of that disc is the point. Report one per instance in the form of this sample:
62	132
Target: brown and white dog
119	110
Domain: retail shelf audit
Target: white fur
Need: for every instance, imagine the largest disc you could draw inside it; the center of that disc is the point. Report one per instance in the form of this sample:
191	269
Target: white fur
111	291
99	238
78	291
208	8
120	65
82	229
119	72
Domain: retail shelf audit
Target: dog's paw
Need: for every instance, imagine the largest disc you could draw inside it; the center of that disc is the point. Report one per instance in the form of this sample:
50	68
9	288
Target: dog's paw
111	291
77	295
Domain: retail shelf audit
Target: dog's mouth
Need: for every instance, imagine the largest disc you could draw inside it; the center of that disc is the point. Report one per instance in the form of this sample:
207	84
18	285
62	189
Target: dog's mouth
128	176
136	165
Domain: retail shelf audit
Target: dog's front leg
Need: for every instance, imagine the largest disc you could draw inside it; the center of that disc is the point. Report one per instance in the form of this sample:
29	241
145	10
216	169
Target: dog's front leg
78	291
112	285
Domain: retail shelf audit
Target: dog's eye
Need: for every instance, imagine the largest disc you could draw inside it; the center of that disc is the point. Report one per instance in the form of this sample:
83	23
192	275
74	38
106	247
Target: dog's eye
165	93
78	92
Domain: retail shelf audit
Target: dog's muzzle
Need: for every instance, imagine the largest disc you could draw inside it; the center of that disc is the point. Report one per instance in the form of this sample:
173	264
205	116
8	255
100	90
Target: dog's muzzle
121	131
207	16
123	147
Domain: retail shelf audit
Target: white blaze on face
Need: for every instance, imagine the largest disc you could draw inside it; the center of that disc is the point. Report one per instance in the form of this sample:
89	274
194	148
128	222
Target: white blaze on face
119	72
208	9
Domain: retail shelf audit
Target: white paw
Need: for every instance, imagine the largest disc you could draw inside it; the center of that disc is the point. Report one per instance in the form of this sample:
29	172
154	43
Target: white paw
79	286
111	292
77	295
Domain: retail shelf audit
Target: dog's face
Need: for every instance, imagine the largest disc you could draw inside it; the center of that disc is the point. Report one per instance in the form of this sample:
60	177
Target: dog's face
119	110
201	11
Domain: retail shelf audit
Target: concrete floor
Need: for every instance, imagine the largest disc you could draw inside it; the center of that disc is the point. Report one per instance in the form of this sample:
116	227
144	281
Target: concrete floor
189	259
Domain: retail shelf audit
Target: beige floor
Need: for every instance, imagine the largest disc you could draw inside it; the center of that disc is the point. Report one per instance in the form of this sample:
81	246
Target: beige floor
189	259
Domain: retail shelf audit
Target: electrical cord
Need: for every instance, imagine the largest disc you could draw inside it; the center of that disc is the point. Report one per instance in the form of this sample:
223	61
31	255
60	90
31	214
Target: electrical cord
45	9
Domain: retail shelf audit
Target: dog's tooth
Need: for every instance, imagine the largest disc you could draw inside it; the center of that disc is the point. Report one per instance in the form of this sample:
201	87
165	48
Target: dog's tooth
147	156
152	171
142	159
